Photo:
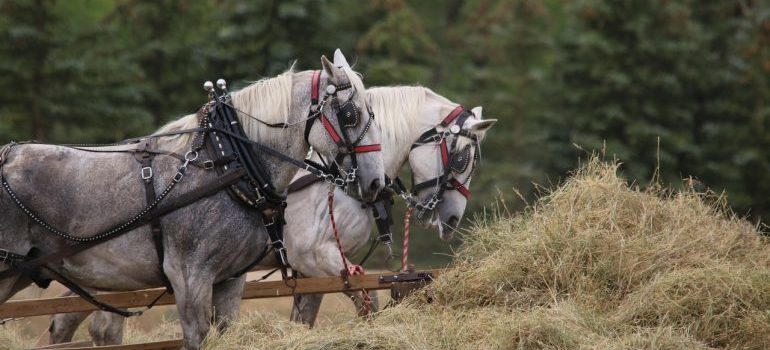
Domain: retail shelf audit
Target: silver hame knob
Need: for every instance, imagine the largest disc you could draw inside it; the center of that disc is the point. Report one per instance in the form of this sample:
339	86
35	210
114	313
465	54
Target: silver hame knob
222	84
208	86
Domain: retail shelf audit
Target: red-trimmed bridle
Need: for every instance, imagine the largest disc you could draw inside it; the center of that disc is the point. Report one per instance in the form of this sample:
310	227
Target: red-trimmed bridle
348	116
454	161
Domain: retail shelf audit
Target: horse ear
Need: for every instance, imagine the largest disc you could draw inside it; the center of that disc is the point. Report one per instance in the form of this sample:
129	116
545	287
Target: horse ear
477	111
479	127
330	69
340	60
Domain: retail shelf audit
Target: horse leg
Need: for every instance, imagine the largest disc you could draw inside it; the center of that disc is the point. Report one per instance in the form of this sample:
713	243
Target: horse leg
359	300
305	307
107	328
227	301
63	326
193	290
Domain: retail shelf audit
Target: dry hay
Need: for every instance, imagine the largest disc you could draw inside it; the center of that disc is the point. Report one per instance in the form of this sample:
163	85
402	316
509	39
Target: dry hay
595	264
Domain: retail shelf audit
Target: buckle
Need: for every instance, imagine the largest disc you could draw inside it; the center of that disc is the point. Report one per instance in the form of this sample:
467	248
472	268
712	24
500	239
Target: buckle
352	175
386	238
208	165
282	255
146	173
281	250
178	177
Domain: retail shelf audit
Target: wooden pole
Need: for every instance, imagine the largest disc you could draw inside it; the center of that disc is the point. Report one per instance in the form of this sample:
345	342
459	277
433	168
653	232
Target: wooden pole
252	290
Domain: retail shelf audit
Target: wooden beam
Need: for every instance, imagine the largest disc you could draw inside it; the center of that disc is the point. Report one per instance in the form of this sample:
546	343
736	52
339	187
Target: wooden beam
160	345
252	290
76	344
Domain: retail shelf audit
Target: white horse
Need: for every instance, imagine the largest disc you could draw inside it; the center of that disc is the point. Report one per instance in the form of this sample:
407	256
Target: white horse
205	243
404	114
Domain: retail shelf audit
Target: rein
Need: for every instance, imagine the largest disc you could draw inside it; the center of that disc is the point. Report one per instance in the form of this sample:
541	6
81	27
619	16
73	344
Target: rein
348	270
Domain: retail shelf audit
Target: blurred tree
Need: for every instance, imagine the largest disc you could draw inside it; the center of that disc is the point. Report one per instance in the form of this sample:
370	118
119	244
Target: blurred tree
61	78
634	72
173	43
263	38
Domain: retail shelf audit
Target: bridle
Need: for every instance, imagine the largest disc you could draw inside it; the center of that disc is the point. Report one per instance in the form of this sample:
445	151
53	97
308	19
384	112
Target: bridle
454	162
348	117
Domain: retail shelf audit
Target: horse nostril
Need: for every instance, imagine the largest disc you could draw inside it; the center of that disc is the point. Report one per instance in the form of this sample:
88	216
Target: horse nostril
453	221
375	185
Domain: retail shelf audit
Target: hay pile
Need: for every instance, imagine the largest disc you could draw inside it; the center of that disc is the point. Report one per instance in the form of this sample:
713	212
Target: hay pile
596	264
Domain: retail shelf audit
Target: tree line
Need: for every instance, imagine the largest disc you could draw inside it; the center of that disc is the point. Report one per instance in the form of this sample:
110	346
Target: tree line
673	88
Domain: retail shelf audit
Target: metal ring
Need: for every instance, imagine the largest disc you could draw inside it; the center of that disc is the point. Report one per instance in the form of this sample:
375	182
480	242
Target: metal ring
191	156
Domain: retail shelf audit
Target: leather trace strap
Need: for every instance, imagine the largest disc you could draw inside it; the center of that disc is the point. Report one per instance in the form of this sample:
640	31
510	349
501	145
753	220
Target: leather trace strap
145	159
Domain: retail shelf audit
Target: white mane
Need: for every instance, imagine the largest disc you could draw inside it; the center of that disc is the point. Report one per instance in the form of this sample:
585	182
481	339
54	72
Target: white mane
400	112
268	99
399	109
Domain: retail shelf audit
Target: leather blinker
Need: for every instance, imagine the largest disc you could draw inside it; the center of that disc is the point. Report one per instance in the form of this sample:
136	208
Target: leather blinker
349	115
460	160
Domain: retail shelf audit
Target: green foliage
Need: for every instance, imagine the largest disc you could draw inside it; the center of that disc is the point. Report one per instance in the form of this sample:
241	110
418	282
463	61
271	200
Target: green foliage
62	78
674	83
681	84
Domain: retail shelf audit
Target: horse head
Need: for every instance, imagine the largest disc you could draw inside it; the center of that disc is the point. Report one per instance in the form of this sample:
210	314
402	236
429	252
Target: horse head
346	137
443	162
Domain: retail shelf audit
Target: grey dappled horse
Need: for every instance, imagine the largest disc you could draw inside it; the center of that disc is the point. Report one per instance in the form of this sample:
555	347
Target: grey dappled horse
205	243
403	113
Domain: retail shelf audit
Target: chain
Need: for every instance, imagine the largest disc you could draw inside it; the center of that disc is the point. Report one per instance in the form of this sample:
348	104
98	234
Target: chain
190	156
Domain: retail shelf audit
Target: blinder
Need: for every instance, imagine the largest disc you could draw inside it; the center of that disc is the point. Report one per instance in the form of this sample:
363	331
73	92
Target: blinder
349	115
460	160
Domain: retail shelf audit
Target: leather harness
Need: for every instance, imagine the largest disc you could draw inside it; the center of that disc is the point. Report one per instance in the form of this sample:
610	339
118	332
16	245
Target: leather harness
240	171
453	162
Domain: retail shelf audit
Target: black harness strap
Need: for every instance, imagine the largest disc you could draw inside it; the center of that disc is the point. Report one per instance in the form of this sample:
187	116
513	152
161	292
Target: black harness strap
383	219
85	295
303	183
146	159
208	189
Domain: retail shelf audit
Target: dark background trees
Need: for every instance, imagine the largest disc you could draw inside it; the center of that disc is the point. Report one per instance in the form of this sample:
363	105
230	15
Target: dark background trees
673	88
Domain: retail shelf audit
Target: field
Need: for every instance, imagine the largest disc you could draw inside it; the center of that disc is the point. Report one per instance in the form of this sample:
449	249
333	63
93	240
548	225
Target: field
596	263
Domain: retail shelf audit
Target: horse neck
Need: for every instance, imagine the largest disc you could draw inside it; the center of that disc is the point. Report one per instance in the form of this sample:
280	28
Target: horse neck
282	140
273	101
400	134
